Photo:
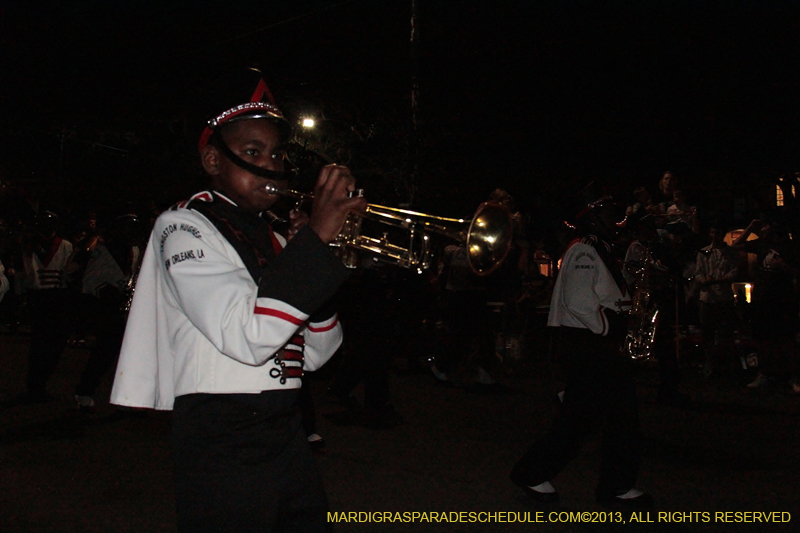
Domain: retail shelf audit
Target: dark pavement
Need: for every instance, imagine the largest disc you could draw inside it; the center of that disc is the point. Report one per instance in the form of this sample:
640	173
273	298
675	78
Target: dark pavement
731	450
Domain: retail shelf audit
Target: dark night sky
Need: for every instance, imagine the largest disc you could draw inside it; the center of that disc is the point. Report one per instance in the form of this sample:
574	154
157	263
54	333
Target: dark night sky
529	95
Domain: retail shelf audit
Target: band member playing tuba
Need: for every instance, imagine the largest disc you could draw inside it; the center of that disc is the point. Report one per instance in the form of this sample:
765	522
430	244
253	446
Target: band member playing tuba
226	317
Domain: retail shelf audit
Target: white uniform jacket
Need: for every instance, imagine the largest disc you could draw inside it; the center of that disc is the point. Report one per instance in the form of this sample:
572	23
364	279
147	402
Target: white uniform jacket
198	322
47	274
101	271
584	288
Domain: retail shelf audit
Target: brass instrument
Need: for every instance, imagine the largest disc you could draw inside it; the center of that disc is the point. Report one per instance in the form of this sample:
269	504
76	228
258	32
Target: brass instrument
643	317
130	286
487	235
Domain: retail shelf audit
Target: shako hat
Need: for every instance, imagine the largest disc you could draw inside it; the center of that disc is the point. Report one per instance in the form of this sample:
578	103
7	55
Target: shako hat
239	95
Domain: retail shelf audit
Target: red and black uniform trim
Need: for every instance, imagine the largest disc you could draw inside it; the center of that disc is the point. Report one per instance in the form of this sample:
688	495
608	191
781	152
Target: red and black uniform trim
292	352
304	275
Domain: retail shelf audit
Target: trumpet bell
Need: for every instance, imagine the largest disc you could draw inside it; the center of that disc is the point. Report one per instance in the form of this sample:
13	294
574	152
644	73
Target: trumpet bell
487	236
488	239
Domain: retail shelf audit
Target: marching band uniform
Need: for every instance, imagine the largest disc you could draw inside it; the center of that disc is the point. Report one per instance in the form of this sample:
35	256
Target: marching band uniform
194	287
45	280
225	318
47	273
586	306
104	280
586	290
215	334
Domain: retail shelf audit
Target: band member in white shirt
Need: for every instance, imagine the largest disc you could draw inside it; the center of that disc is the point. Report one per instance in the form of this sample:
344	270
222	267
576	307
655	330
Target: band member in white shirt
587	310
45	256
226	317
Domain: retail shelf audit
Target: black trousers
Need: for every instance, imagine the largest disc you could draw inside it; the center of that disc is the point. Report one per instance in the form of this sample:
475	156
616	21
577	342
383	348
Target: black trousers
242	464
368	314
49	334
110	329
666	351
468	324
600	389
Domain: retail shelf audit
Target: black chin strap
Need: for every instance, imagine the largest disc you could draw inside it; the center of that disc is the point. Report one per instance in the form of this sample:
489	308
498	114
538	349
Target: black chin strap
249	167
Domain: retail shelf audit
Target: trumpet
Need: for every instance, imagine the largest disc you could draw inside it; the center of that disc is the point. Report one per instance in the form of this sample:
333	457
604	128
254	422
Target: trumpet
487	236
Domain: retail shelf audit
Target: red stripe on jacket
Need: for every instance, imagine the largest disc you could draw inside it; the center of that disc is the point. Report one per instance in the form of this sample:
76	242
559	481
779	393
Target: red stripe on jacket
278	314
324	328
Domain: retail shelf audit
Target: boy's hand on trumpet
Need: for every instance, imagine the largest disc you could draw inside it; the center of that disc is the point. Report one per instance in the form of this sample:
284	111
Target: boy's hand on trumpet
332	203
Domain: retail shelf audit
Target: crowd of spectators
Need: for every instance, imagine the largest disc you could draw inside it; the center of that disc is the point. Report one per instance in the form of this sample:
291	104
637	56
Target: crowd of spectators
735	288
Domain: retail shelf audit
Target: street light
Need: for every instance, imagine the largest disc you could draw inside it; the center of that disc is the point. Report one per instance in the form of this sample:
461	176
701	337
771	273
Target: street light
307	123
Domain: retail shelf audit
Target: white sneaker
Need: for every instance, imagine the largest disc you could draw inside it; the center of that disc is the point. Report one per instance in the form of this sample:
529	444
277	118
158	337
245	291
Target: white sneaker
544	488
542	493
316	442
760	381
633	493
